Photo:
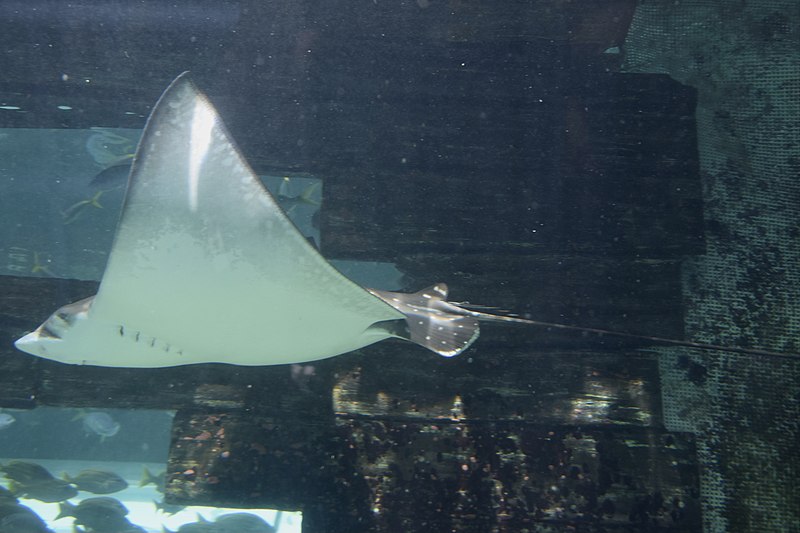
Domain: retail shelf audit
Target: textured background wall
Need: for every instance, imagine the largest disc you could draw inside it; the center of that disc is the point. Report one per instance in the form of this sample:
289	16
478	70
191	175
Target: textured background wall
742	58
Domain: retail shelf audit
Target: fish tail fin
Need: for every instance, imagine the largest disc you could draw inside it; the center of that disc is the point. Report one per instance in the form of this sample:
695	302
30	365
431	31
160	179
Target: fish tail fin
308	192
15	488
147	477
65	509
95	200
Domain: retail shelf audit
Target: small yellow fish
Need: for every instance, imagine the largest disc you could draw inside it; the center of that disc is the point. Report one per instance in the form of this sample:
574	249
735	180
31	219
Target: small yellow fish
39	268
73	212
106	147
289	202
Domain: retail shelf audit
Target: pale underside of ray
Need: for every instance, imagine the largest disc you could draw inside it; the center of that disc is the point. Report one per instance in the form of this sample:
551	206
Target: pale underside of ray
206	267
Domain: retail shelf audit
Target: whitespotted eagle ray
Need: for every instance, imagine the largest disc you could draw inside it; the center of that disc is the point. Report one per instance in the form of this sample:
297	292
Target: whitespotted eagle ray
206	267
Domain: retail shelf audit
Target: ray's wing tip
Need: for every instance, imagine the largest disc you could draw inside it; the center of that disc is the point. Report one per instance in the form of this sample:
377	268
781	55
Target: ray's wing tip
183	77
183	80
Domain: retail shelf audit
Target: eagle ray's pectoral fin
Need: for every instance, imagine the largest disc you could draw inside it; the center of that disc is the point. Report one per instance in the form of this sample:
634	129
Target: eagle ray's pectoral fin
431	321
